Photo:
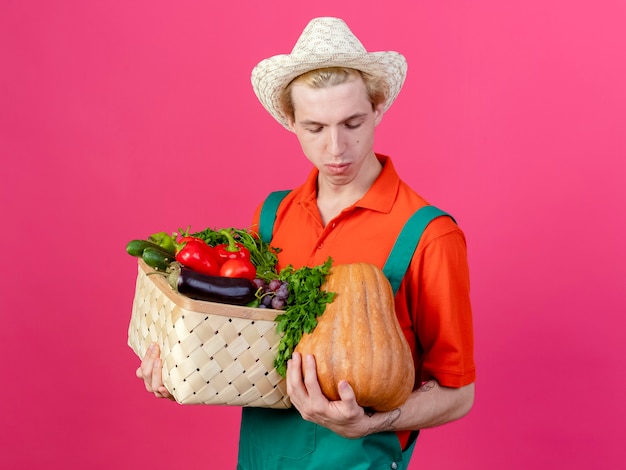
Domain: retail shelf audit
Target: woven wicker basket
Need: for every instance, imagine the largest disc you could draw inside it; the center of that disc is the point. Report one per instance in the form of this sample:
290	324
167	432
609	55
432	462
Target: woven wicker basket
212	353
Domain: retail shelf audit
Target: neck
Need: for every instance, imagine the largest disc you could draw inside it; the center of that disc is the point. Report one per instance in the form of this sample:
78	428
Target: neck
332	199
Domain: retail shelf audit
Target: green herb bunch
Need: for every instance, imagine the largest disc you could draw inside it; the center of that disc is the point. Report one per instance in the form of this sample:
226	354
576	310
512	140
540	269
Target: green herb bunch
306	302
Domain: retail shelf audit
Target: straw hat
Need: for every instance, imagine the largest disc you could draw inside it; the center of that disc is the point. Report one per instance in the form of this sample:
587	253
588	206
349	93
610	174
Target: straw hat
325	42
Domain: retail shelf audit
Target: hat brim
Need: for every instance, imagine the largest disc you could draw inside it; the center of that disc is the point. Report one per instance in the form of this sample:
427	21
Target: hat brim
272	75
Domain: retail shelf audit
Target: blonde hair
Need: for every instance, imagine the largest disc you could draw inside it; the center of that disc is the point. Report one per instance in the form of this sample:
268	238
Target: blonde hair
377	89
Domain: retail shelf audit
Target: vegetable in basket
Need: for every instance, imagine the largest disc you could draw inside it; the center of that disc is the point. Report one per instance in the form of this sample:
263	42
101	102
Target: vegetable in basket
154	255
231	249
235	258
239	268
197	255
199	286
137	247
157	259
165	241
262	255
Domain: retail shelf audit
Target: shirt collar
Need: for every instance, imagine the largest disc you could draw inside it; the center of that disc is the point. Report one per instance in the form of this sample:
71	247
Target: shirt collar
381	196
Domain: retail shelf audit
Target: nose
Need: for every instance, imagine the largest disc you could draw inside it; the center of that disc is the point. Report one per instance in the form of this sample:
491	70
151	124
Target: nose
336	142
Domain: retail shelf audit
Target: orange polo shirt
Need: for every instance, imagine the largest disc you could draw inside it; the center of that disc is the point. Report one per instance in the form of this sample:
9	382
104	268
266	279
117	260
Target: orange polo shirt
433	302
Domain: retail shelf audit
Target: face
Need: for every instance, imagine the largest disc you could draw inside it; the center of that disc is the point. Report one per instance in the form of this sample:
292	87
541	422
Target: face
335	128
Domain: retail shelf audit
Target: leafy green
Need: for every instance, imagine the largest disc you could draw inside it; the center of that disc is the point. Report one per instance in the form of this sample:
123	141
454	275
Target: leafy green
306	302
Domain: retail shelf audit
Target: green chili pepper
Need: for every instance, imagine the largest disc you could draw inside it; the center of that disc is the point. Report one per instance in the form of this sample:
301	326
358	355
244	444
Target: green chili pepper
164	240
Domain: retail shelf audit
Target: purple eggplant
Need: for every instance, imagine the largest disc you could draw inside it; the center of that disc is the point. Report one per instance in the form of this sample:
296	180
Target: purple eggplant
199	286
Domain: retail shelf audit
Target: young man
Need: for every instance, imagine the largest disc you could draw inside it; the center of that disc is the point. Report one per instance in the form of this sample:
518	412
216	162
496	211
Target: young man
332	94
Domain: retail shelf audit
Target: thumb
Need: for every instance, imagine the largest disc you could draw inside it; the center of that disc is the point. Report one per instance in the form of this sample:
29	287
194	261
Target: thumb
345	391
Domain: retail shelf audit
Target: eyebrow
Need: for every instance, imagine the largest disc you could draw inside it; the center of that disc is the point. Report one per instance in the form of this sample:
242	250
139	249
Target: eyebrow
309	122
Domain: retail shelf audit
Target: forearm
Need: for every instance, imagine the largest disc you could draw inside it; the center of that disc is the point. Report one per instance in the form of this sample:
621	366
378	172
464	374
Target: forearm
429	406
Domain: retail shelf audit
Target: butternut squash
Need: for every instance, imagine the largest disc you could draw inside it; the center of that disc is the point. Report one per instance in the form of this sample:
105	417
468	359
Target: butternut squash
358	338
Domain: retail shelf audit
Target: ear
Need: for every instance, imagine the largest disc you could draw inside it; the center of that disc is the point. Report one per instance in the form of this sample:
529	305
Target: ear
291	123
378	113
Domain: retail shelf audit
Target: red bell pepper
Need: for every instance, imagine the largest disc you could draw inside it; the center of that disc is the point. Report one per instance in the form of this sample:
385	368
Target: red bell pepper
197	255
231	249
235	258
241	267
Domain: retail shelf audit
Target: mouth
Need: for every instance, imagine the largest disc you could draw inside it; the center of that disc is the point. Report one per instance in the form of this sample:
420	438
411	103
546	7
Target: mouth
337	168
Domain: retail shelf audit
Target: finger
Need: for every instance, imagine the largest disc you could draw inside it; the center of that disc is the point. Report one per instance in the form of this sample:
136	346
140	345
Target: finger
157	375
148	362
346	393
163	392
157	381
310	375
294	375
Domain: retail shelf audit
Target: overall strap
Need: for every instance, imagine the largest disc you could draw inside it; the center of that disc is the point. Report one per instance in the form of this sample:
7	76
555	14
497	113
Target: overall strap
402	252
268	214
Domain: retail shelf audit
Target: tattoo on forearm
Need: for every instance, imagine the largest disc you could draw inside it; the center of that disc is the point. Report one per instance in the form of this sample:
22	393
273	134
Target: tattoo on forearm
392	417
427	387
386	425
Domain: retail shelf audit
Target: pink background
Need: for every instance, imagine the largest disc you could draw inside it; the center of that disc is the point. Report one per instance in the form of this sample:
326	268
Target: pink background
120	118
